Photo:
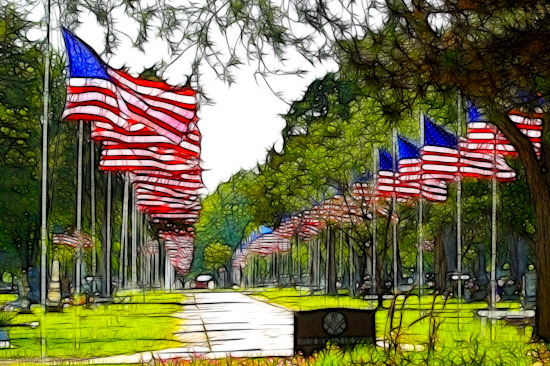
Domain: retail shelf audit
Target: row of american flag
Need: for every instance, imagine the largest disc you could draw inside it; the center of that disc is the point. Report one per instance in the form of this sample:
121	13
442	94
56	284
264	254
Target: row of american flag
419	171
148	130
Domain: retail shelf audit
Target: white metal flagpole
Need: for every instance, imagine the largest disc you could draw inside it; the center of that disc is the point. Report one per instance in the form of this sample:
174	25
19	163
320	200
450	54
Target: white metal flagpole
107	247
421	218
394	222
459	205
123	255
93	214
78	272
373	218
133	268
44	185
494	230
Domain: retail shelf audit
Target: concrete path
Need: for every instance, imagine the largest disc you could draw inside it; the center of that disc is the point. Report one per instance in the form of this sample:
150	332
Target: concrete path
221	324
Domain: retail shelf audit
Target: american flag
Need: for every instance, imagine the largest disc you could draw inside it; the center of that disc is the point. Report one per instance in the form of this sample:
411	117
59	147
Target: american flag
146	127
72	239
287	228
387	175
179	249
483	149
145	137
479	164
483	136
412	181
531	126
409	167
121	157
311	225
440	157
269	243
97	92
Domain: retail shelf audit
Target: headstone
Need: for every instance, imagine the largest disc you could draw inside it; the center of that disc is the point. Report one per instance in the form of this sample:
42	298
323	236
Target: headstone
54	287
343	327
33	277
24	293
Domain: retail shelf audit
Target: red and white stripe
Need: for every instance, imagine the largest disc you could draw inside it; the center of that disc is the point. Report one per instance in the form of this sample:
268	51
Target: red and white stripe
484	137
115	156
140	136
386	182
407	185
268	244
434	190
179	248
477	164
73	239
439	162
531	126
125	101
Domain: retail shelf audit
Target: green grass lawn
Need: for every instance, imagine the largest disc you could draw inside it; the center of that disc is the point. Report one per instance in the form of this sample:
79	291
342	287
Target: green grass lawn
136	322
414	318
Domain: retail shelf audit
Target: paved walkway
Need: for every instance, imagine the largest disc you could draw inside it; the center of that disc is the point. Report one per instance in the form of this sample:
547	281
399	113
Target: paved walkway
221	324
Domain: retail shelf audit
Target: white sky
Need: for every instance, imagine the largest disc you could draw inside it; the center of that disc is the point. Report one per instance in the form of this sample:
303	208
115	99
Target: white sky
245	119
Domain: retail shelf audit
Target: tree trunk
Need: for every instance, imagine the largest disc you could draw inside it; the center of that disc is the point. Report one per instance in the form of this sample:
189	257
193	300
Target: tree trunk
331	262
542	209
538	178
440	264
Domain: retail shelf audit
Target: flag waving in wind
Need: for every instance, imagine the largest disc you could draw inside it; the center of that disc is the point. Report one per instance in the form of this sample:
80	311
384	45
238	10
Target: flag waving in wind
439	153
411	179
409	167
97	92
385	183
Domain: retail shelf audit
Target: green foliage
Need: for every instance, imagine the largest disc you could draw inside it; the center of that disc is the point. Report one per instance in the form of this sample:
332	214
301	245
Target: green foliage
216	256
226	218
145	324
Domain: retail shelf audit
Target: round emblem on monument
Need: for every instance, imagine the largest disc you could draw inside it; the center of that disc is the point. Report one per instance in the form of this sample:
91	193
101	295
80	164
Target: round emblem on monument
334	323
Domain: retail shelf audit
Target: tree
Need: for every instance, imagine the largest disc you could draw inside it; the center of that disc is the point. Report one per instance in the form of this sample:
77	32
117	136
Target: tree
225	218
217	256
496	54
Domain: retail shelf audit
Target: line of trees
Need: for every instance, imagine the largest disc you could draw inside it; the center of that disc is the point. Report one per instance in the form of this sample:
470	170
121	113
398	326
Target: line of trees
328	144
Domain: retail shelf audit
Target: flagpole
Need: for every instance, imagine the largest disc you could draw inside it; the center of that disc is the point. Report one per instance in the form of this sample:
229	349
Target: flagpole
459	204
351	264
373	219
299	257
142	250
44	185
133	268
421	218
493	281
78	272
107	248
394	222
92	209
123	234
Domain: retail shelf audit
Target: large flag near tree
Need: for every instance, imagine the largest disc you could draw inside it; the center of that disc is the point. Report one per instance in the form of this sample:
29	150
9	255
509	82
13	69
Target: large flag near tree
411	177
97	92
440	152
146	127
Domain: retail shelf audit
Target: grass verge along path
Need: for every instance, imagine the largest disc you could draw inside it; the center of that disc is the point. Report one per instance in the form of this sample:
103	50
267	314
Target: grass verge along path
136	322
